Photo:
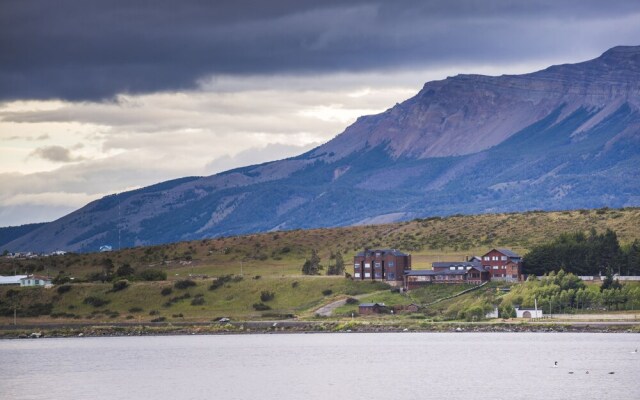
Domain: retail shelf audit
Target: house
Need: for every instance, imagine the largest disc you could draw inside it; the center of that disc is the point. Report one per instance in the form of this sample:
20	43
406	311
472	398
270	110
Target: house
503	264
13	280
371	308
449	272
35	280
528	313
387	265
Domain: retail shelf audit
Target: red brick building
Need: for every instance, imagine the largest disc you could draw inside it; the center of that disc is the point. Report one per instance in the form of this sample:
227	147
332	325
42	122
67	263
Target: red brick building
503	264
381	265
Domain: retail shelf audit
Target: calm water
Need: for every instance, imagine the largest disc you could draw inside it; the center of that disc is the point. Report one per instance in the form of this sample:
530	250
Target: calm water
324	366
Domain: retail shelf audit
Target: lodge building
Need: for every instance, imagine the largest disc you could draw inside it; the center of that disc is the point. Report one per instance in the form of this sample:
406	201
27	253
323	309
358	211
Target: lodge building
381	265
394	267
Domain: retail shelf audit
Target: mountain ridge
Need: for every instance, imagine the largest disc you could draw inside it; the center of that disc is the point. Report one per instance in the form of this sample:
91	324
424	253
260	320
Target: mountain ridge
564	137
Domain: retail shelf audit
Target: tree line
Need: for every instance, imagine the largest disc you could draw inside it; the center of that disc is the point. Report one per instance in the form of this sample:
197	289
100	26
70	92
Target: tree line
584	254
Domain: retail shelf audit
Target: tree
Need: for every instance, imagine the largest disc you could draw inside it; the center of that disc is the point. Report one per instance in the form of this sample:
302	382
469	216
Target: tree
107	269
312	265
338	268
125	270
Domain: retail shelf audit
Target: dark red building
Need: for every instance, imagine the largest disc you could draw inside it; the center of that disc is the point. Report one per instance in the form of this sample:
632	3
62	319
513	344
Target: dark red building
503	264
381	265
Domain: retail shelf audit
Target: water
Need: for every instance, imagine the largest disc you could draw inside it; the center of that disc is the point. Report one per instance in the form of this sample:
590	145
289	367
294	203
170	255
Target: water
324	366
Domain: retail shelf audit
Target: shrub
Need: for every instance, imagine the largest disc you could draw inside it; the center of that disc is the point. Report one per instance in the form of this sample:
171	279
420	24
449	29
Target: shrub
327	292
95	301
261	307
63	289
267	295
154	312
184	284
352	300
294	284
178	315
135	309
153	275
120	285
197	301
257	277
166	291
125	270
159	319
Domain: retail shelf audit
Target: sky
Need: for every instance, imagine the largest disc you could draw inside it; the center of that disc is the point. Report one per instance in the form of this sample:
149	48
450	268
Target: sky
100	97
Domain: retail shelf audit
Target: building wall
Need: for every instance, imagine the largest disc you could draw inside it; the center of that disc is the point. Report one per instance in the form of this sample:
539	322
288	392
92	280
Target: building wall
379	265
500	267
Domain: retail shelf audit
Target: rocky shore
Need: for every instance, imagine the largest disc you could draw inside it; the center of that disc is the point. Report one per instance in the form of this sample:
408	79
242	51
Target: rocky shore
271	327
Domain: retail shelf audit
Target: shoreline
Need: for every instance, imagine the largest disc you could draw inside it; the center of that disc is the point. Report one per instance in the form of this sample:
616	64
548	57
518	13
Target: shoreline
285	327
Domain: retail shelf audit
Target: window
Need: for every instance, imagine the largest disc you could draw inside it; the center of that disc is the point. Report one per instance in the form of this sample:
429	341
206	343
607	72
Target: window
356	266
486	258
357	274
391	276
452	268
495	267
460	268
503	258
367	275
367	265
390	263
494	258
378	265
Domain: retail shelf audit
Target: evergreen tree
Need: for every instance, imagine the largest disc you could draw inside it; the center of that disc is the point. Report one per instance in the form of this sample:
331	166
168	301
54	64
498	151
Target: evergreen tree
312	265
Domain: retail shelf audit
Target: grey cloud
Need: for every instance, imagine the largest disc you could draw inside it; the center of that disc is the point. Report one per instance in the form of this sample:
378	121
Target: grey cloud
56	154
92	49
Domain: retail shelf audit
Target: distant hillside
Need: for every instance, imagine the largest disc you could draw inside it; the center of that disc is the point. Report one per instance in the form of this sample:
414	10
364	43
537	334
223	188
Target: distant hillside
13	232
283	253
566	137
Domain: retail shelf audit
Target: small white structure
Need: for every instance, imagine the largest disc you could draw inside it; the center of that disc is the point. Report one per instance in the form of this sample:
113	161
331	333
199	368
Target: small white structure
528	313
105	247
13	280
35	280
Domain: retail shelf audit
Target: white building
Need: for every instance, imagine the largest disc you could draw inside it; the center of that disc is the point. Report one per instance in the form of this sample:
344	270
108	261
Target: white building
528	313
35	280
11	280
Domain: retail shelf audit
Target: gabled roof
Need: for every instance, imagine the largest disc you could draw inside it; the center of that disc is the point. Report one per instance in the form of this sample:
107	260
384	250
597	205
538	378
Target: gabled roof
371	304
508	252
39	277
394	252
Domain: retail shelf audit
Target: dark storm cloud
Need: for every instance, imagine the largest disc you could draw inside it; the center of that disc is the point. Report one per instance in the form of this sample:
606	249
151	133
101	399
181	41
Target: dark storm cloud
87	49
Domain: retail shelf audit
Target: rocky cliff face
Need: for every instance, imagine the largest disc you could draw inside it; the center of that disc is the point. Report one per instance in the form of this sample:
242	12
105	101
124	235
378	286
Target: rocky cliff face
564	137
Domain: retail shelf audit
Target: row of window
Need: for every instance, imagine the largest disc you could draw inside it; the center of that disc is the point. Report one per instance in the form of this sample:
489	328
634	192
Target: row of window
376	265
495	258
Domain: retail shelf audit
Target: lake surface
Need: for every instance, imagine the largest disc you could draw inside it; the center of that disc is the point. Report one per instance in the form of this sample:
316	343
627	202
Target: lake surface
324	366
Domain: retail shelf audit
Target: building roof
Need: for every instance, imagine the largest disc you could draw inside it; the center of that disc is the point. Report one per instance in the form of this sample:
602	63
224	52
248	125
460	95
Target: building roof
508	253
11	280
39	277
430	272
371	304
383	251
447	264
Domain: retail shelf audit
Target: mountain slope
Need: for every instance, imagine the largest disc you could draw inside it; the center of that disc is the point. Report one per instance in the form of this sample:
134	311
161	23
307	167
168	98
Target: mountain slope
564	137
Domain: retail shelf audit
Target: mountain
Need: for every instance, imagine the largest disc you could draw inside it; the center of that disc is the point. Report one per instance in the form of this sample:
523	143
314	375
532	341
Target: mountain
565	137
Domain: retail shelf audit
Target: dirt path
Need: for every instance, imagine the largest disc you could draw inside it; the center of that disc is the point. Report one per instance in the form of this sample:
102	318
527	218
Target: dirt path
327	310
